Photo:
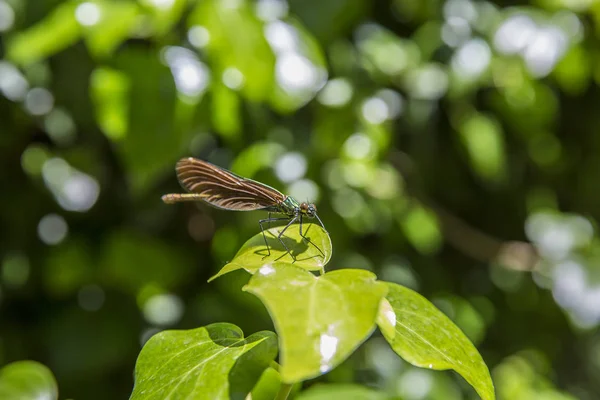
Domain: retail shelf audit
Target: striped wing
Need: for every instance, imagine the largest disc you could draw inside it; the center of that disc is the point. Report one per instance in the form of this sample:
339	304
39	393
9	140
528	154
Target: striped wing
223	189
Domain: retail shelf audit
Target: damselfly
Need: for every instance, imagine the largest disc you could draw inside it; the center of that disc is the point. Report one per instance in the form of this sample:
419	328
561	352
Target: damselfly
225	190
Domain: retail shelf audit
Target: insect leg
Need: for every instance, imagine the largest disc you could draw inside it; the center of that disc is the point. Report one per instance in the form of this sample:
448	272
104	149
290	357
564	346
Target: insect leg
262	229
281	240
308	240
319	219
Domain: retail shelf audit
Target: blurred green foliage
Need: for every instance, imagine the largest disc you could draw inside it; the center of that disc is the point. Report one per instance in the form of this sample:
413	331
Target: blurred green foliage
452	147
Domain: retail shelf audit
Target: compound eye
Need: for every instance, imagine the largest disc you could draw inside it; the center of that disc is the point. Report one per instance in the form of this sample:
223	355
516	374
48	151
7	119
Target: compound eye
304	207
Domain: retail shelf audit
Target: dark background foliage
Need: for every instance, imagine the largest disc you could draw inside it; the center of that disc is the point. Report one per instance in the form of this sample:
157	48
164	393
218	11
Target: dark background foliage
451	146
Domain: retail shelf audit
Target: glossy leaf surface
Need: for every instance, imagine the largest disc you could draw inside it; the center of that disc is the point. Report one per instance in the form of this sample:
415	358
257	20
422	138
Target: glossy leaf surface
425	337
213	362
320	320
253	254
27	380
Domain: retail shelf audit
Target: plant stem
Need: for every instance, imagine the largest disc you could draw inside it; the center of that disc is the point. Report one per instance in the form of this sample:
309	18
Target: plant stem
274	365
284	391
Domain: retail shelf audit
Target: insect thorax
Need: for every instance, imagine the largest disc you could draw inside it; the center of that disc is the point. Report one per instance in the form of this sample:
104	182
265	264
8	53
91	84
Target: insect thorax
289	206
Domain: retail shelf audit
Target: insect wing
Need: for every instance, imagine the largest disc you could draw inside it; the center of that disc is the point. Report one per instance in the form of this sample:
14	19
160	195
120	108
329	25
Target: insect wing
224	189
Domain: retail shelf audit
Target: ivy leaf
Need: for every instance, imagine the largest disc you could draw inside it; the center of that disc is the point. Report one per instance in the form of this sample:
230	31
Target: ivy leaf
320	320
253	254
212	362
267	386
422	335
27	380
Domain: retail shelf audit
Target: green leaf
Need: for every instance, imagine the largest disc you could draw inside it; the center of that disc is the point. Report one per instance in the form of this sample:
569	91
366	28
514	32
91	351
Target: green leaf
109	90
237	41
253	254
226	116
483	139
425	337
267	386
23	380
340	391
422	229
116	23
163	15
320	320
213	362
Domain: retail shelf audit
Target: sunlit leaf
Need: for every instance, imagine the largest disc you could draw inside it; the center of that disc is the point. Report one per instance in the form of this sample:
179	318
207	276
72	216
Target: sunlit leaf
422	335
254	254
484	141
237	42
226	116
57	31
255	157
340	391
267	386
385	54
109	90
116	22
213	362
574	71
27	380
320	320
422	229
163	14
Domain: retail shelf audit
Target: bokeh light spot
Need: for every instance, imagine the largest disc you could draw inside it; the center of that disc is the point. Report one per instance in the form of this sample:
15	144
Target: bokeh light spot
13	84
429	82
290	167
336	93
39	101
91	297
33	159
233	78
60	126
15	270
88	14
472	59
297	73
198	36
304	190
163	309
73	190
514	34
415	384
52	229
7	16
375	110
271	10
359	147
190	74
